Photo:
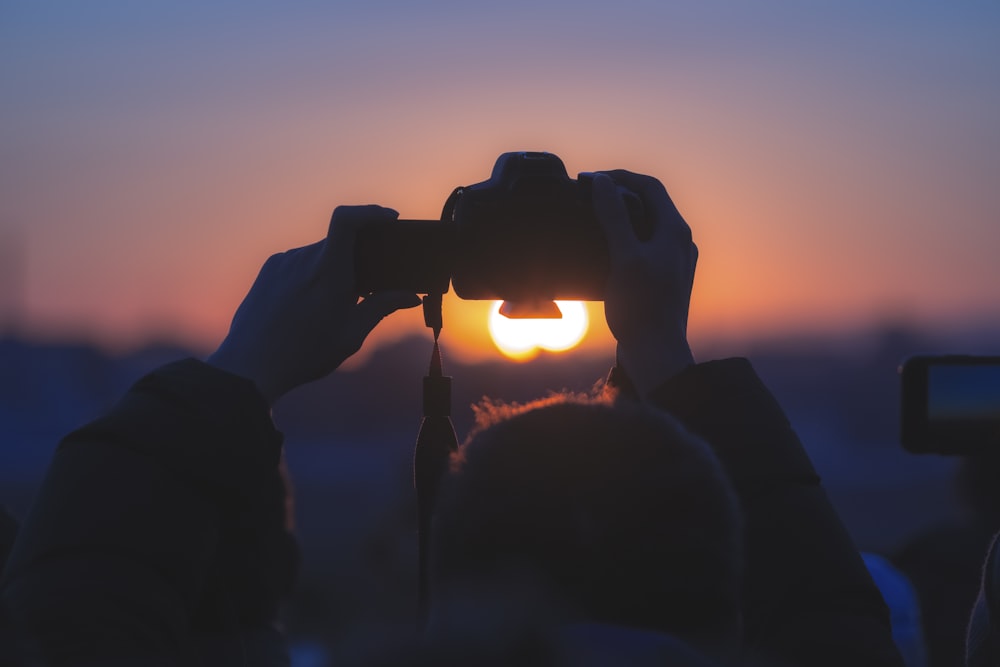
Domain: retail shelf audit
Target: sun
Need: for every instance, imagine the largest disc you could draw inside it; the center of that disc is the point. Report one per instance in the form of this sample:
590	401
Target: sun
523	338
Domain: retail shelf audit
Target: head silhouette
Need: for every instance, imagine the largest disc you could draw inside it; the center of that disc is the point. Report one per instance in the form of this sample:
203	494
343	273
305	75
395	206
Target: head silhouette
611	508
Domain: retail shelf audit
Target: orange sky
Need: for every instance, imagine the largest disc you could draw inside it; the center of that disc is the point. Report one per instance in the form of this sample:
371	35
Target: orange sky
838	166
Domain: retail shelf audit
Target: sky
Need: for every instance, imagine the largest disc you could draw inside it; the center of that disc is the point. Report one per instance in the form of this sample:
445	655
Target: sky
838	162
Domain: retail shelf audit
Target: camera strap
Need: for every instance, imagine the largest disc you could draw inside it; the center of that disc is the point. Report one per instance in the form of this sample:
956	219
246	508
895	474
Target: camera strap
436	440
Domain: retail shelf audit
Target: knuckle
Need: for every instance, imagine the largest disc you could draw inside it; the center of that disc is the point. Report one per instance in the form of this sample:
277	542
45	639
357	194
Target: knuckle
274	260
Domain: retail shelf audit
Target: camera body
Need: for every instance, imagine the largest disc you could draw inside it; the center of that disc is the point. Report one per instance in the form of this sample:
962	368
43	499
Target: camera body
950	404
527	234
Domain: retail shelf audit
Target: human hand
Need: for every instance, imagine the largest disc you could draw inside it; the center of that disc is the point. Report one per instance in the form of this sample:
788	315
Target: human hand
302	318
649	285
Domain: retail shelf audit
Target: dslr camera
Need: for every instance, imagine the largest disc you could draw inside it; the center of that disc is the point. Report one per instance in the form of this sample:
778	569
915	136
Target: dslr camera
528	235
950	404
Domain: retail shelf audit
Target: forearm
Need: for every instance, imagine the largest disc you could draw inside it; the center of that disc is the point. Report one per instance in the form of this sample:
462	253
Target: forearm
808	598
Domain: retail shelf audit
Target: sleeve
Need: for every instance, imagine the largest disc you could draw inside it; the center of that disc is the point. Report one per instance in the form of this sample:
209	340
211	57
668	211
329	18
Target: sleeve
983	639
808	598
157	526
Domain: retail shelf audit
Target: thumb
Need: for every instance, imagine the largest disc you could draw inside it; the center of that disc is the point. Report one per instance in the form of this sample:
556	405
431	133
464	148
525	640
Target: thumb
375	307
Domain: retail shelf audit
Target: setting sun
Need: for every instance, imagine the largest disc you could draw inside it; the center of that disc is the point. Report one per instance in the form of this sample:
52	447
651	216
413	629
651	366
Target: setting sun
523	338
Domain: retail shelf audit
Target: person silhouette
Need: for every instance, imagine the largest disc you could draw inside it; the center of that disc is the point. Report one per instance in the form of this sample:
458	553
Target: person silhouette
160	533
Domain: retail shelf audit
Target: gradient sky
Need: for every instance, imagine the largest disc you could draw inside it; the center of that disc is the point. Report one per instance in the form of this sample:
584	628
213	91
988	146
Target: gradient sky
837	161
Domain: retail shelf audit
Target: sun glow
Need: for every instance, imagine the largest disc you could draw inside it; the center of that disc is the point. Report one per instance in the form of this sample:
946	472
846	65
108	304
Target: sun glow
523	338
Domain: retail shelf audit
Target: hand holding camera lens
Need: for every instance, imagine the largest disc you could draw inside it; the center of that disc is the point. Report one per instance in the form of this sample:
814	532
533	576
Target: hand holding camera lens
302	318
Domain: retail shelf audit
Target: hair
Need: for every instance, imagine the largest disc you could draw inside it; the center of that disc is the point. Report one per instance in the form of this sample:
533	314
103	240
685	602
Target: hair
613	507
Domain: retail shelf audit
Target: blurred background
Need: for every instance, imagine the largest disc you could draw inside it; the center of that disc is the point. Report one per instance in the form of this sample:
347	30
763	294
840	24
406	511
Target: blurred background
837	163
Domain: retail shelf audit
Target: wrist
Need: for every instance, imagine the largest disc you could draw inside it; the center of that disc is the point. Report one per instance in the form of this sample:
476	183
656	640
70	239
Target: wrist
649	364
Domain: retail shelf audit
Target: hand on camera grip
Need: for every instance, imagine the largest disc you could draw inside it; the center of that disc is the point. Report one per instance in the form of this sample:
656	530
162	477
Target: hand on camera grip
650	279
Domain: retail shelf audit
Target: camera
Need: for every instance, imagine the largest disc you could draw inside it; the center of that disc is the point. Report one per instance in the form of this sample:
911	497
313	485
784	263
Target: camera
527	235
950	404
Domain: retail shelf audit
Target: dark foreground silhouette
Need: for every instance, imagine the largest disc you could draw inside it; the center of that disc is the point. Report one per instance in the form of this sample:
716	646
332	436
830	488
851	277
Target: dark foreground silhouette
676	519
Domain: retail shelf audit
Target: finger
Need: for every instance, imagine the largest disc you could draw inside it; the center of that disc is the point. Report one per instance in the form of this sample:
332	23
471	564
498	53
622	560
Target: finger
645	186
612	215
655	199
377	306
344	225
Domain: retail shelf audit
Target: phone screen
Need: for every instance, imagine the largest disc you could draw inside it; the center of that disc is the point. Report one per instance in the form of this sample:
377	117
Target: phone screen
950	404
963	391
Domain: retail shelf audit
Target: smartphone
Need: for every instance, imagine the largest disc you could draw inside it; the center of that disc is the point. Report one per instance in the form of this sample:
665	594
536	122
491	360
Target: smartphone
950	404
